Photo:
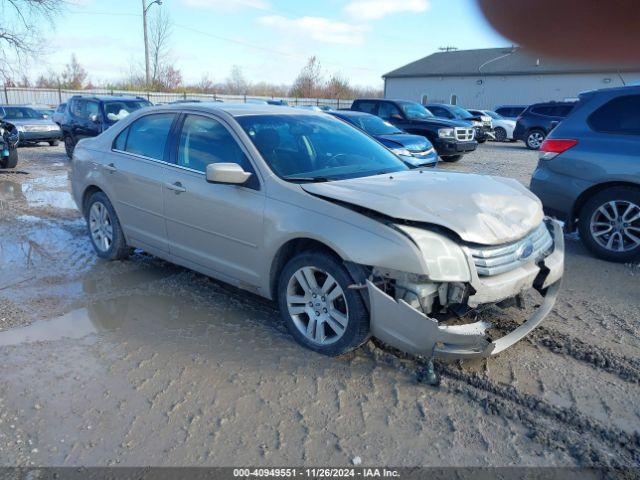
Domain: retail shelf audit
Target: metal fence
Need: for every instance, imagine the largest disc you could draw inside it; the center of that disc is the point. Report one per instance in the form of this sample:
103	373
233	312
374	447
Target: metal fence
55	96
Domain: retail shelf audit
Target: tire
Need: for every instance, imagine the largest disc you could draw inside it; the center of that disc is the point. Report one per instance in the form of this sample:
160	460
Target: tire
11	161
534	139
54	143
598	211
482	141
334	338
452	158
69	145
501	134
114	248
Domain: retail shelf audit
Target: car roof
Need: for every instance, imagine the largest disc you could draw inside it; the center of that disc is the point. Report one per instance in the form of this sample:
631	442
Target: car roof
239	109
106	98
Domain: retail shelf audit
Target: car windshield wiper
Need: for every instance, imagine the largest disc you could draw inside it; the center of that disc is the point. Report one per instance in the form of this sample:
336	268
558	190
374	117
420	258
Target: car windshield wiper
307	179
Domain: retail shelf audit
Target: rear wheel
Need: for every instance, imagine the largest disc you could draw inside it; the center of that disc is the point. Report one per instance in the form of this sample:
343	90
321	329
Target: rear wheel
69	145
501	134
104	228
534	139
609	224
452	158
11	161
54	143
320	310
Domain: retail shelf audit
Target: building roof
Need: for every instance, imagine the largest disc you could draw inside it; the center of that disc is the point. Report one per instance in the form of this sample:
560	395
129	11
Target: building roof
497	61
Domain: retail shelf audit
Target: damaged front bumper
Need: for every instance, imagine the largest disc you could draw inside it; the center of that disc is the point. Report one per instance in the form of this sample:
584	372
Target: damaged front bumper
402	326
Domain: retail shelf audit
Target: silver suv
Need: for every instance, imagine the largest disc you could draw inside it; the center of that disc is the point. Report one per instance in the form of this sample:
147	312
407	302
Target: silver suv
300	207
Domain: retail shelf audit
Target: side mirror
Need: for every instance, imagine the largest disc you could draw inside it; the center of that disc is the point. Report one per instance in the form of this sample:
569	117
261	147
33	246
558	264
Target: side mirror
230	173
45	116
396	116
94	117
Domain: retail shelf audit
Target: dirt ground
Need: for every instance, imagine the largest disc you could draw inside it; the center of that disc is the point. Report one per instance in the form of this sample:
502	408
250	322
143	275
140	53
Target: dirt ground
141	362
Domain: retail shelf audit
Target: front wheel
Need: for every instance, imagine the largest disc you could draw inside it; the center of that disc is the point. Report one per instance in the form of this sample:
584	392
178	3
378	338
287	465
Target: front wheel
11	161
105	231
54	143
534	139
320	310
452	158
481	140
501	134
609	224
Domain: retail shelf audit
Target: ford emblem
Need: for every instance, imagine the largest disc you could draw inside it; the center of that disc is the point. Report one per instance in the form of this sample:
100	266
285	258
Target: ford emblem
526	250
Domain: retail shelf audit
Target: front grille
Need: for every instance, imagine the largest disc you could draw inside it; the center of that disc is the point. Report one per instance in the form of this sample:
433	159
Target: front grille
464	134
36	128
491	261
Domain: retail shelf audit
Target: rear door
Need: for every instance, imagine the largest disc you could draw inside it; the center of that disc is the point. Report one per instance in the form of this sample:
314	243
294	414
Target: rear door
136	174
215	227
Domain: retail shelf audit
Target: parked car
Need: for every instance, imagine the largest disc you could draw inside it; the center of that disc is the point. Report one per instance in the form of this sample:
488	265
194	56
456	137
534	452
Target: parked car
302	208
481	123
416	150
264	101
45	110
451	138
510	111
534	124
32	128
588	175
502	127
58	115
316	108
89	116
9	138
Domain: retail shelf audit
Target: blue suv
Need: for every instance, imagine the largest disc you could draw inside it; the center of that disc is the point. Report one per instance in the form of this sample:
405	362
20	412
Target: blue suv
588	174
89	116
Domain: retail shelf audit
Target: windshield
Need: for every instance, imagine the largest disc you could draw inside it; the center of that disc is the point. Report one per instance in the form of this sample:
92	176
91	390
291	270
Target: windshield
460	112
374	125
19	113
315	148
494	115
415	111
117	110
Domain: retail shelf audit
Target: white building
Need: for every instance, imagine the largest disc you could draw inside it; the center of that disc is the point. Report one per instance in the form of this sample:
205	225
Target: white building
497	76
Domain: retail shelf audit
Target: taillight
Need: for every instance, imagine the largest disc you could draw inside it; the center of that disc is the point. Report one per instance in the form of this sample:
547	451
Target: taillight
553	147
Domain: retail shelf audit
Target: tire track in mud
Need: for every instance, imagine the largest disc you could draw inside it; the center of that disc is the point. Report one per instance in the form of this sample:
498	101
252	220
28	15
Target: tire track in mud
545	421
626	368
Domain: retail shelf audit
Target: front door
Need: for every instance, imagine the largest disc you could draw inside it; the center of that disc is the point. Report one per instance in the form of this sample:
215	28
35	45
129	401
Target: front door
214	226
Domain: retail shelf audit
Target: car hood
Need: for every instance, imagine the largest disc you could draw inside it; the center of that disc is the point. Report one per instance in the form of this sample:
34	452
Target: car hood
480	209
445	122
413	143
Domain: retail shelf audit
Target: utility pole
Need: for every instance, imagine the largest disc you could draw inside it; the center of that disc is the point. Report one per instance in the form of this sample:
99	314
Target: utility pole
147	69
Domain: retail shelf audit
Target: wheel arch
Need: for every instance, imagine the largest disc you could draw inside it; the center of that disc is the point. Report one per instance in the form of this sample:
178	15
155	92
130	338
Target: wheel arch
86	195
593	190
298	245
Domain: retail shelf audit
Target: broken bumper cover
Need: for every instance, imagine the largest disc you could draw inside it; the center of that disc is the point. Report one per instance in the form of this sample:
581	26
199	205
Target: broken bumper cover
398	324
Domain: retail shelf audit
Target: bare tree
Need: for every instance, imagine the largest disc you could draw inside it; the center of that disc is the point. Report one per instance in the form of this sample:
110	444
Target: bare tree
159	47
19	35
338	87
309	80
74	75
235	83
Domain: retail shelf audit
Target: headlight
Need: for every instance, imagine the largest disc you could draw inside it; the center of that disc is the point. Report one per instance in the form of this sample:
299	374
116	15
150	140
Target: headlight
20	128
401	151
446	133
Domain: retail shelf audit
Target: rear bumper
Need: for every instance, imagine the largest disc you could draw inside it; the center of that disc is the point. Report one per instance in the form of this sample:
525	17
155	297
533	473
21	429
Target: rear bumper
401	326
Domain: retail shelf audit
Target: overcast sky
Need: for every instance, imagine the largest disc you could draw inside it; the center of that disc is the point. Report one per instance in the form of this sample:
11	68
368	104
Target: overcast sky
269	39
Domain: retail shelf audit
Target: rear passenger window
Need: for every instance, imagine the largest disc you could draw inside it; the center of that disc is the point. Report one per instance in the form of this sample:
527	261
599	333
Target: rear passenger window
546	111
120	142
620	115
148	135
367	107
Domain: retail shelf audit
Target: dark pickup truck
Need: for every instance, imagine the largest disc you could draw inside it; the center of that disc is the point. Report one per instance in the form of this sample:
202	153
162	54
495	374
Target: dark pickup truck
451	138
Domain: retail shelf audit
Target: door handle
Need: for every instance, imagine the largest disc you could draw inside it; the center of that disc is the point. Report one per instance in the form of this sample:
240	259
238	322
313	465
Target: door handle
111	168
176	187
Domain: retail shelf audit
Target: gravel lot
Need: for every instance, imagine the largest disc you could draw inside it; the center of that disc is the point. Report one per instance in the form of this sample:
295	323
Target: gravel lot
144	363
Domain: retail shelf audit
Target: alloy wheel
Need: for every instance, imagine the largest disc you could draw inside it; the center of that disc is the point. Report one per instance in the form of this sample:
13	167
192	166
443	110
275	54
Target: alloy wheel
317	305
535	139
100	226
615	226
